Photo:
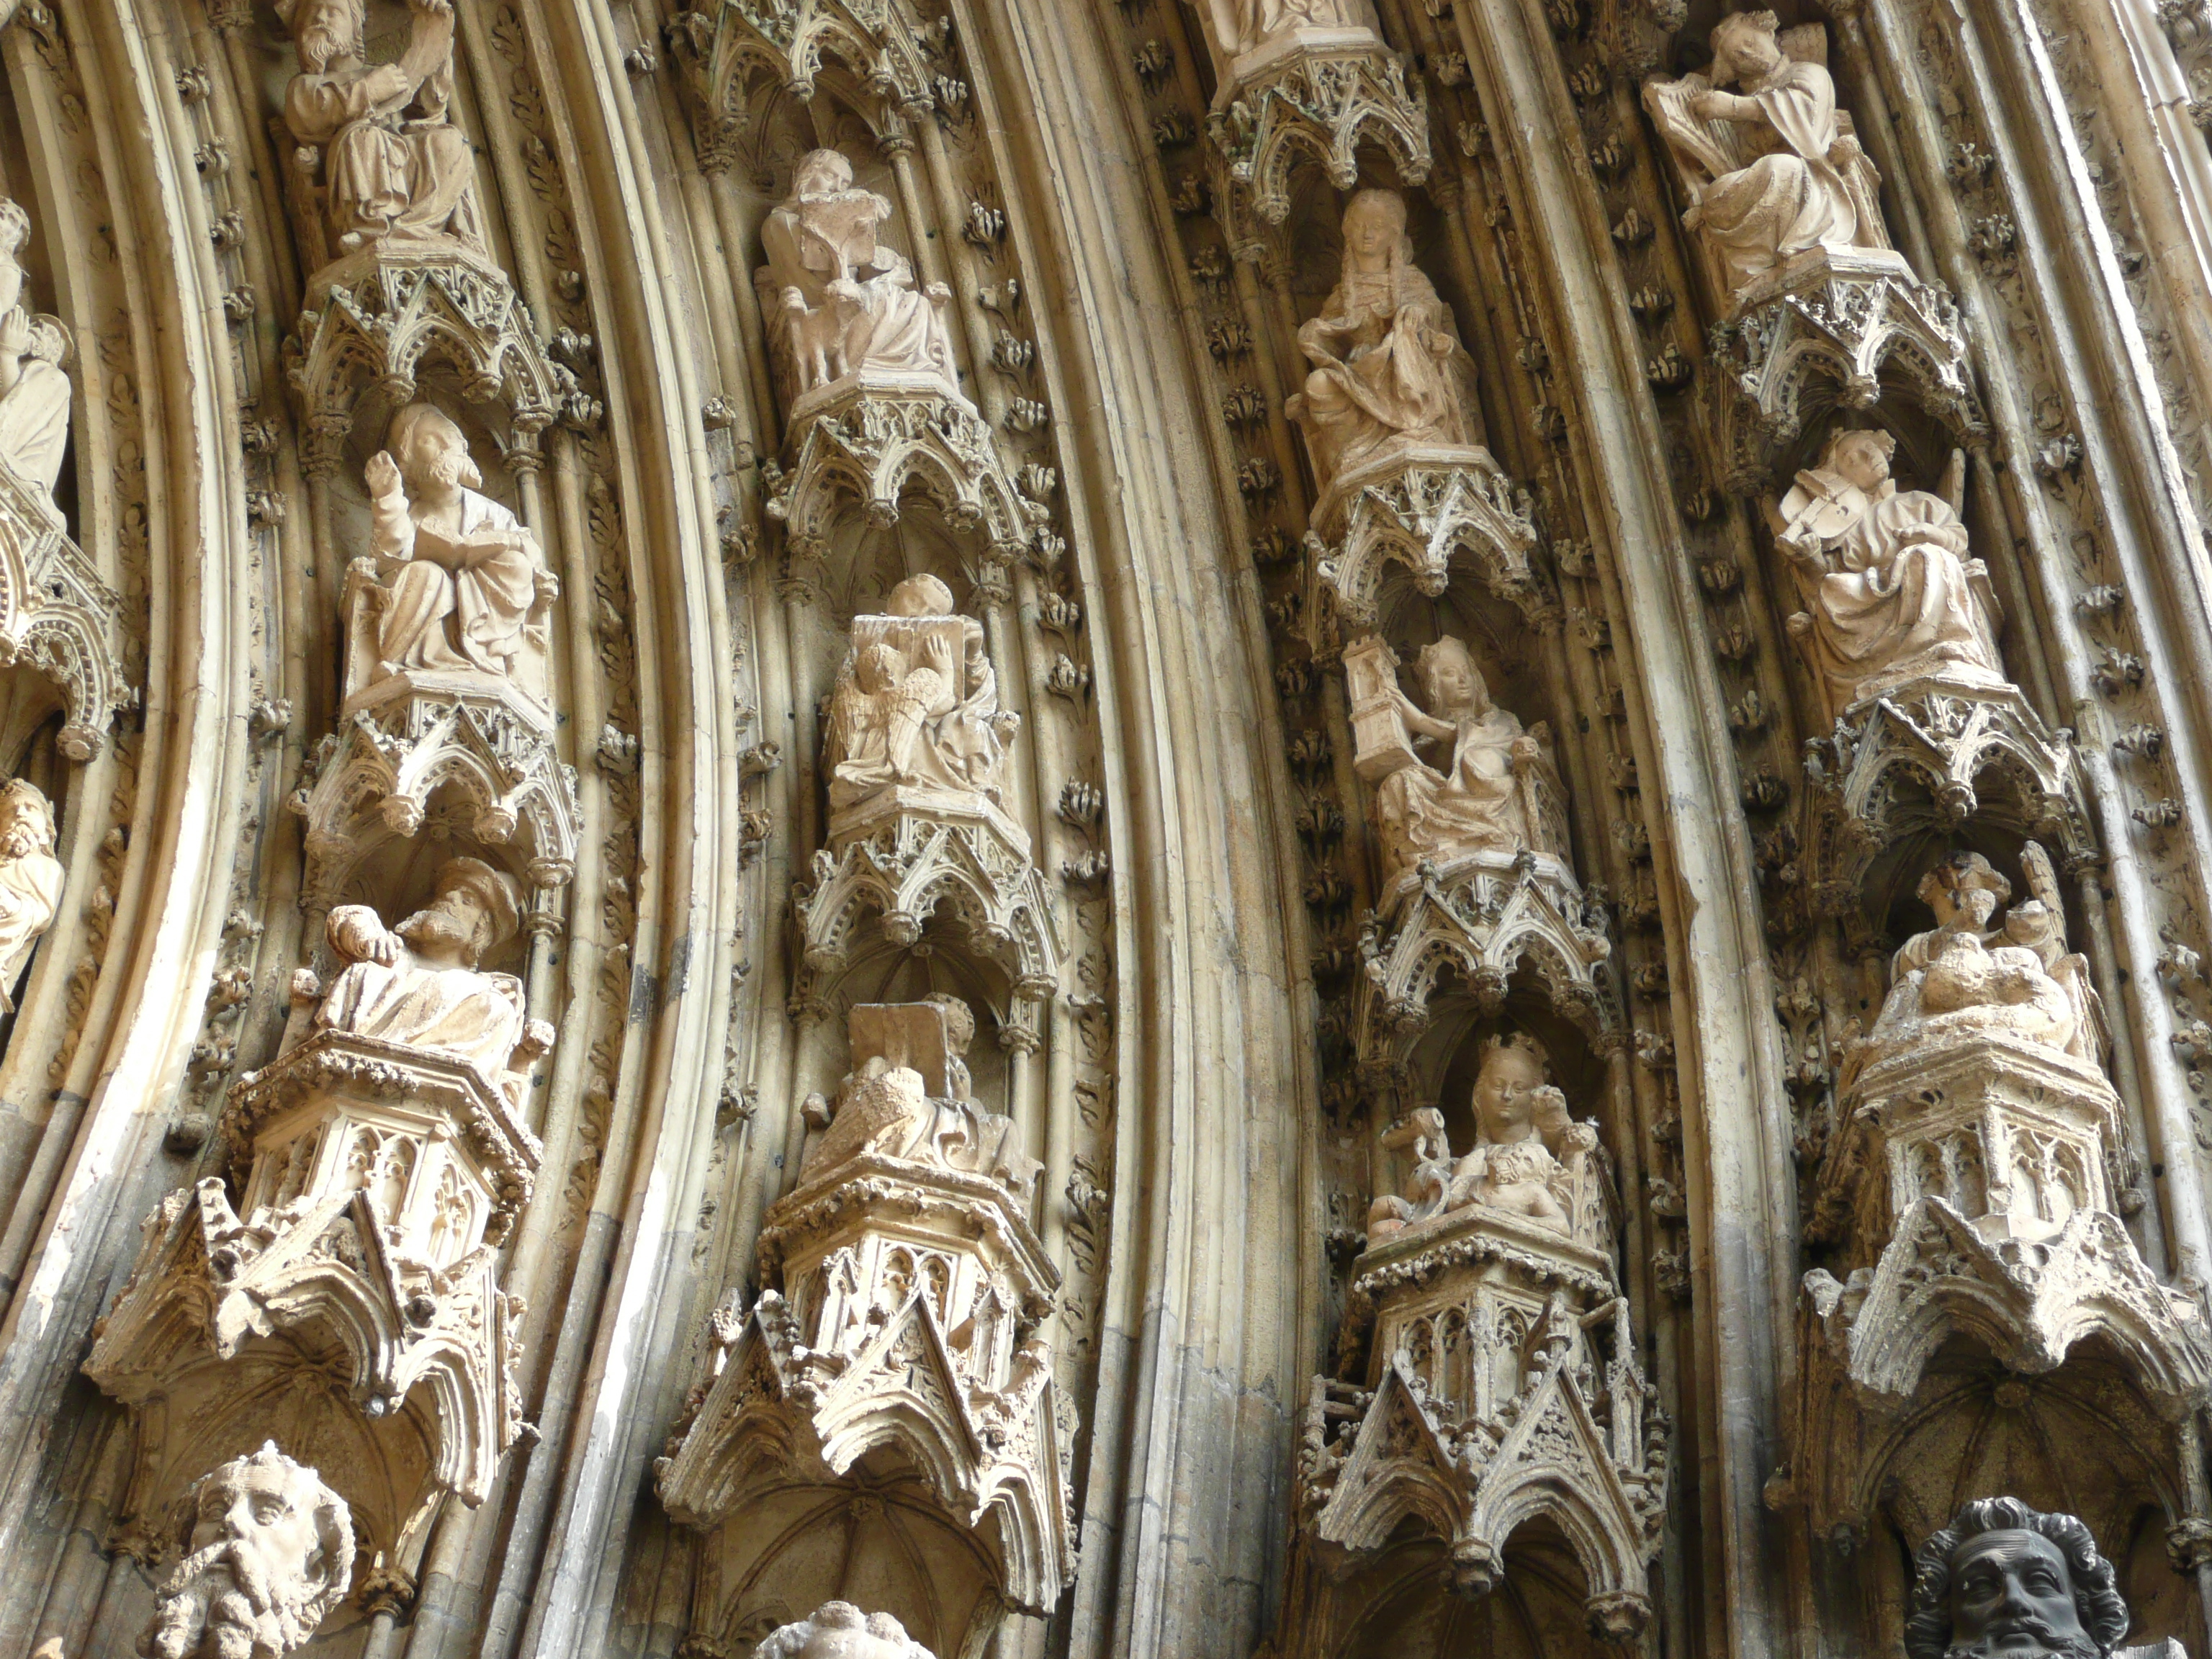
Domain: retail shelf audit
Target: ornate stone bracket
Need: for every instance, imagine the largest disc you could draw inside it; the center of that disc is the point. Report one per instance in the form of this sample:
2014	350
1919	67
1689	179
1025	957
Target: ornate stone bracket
1325	92
374	318
361	1281
904	854
1931	753
1421	507
57	615
1481	915
896	57
479	749
1493	1405
866	440
1825	329
905	1328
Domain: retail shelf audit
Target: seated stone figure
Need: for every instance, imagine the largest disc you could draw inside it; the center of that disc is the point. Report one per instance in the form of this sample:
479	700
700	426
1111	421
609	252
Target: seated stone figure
1495	790
1526	1161
1963	977
837	302
1889	590
30	877
34	390
394	165
466	582
269	1554
916	703
1237	27
1388	368
908	1097
2004	1581
1774	170
419	984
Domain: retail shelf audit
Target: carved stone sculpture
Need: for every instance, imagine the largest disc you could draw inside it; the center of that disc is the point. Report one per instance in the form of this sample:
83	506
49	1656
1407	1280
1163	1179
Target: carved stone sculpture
34	390
1529	1157
2005	1582
1773	172
838	1630
1494	791
1890	591
1388	368
842	304
418	984
900	1324
1237	27
270	1552
379	153
385	1159
30	877
1501	1381
456	583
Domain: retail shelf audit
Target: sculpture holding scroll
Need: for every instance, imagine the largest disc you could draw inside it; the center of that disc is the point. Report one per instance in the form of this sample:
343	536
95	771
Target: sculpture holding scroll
1964	976
1530	1158
1890	591
268	1554
916	704
30	877
35	389
1237	27
840	303
907	1097
456	582
1774	170
1390	372
393	166
1495	791
419	984
2004	1581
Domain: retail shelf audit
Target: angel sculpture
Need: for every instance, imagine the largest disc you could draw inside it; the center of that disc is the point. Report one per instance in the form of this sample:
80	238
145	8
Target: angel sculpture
1388	366
1775	170
1529	1158
1889	590
1497	790
1965	977
916	703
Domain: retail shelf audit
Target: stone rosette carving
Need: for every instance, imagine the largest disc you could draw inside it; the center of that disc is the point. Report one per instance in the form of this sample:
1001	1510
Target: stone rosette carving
1501	1383
268	1554
387	1160
902	1320
1972	1181
1321	85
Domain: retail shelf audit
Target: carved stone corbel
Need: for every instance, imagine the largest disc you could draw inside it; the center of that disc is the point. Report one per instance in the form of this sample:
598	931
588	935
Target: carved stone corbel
1322	91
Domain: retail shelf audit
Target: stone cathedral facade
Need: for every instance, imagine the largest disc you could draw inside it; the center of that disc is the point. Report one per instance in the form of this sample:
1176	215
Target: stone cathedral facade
1105	829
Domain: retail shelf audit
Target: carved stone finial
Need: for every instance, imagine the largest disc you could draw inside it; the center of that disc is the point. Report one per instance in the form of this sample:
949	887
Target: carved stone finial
269	1552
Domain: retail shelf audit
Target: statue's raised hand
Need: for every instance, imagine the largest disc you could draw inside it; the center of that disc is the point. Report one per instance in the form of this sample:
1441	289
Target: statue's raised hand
382	477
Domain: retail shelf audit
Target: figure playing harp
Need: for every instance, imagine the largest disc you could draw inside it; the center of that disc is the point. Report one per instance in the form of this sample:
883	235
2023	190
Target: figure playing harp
1773	171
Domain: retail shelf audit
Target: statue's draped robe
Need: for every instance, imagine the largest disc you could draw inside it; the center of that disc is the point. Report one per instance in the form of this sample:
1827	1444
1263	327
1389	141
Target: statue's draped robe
1388	368
30	888
473	1017
34	421
877	319
438	618
1476	804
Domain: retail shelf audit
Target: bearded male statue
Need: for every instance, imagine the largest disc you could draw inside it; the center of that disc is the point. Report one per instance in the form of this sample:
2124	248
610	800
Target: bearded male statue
2005	1582
393	164
419	983
30	877
466	580
269	1554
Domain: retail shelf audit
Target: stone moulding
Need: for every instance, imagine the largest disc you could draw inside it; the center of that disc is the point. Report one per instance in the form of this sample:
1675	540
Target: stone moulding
876	43
383	1180
906	1326
1491	1406
1481	915
867	440
902	855
372	319
1926	754
1324	91
1826	329
58	615
1422	507
480	748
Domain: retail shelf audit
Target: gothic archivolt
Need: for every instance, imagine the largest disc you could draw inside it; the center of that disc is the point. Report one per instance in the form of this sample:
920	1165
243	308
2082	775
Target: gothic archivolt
873	829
